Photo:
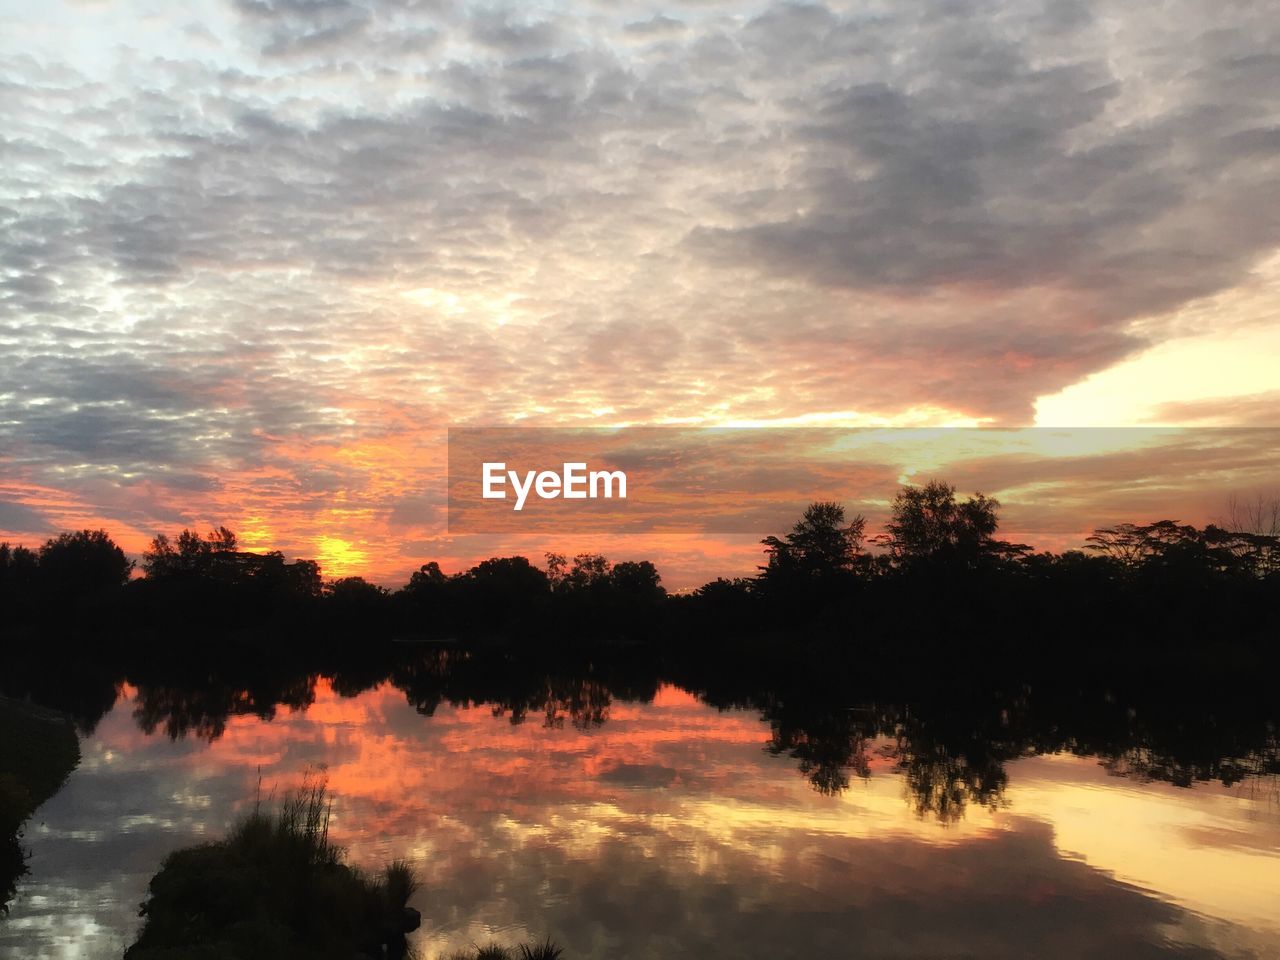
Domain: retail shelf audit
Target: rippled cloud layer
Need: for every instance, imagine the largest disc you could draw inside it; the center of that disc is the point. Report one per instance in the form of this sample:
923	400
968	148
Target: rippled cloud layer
254	258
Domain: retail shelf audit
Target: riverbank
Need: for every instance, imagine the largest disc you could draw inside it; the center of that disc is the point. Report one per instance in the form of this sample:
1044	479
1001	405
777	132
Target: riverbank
38	750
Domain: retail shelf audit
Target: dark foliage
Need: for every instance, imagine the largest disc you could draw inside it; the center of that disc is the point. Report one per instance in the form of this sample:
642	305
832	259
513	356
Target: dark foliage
939	566
275	888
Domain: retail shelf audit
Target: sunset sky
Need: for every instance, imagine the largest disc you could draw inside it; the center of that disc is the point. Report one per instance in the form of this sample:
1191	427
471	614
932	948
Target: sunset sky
256	257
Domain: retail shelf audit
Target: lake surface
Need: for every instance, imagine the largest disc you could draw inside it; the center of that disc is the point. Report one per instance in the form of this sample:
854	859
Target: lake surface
666	829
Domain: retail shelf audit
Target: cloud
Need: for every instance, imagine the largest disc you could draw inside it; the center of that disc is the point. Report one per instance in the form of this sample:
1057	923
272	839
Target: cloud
986	160
1254	411
20	518
658	25
416	511
339	221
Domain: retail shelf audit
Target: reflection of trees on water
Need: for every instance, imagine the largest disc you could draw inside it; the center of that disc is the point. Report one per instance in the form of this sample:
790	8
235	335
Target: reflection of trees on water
954	751
950	748
942	785
584	702
1148	765
828	745
831	746
203	711
510	689
81	689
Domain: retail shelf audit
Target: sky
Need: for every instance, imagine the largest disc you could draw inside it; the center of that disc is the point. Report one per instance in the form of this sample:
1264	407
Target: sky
257	256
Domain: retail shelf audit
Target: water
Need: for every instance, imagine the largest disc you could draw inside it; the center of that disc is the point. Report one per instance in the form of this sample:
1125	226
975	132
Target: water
666	829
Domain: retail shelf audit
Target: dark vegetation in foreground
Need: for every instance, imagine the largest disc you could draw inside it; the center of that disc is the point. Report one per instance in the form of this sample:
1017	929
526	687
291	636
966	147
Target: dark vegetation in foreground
38	750
545	950
275	888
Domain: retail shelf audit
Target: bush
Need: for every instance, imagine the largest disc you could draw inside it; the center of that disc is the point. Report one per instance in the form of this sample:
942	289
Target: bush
276	887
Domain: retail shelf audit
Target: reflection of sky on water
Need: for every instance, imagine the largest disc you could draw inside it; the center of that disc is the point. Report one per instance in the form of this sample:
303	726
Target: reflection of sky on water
667	832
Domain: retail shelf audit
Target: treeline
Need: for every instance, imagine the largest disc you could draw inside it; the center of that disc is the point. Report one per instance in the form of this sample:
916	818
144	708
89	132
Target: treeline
206	582
939	562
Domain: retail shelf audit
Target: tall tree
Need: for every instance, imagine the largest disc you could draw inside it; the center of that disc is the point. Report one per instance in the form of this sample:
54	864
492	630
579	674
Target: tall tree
930	526
84	562
821	545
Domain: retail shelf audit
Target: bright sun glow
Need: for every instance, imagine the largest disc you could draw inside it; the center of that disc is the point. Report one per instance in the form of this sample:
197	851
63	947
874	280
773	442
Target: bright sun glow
338	557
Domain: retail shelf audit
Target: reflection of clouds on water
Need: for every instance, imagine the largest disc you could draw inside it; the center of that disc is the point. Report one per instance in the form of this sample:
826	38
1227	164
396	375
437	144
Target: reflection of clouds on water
1007	894
667	832
1215	849
640	775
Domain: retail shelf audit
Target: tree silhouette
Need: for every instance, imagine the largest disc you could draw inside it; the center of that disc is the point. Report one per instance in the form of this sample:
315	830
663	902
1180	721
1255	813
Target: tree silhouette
930	527
19	575
189	554
821	548
637	578
83	563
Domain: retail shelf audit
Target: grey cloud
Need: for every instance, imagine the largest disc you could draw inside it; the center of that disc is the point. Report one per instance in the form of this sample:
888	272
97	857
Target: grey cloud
21	518
497	28
336	29
326	38
977	159
648	775
656	26
198	31
118	417
416	511
302	9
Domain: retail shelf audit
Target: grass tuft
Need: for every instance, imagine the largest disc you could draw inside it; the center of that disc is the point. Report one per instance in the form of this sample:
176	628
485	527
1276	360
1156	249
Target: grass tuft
275	887
546	950
540	951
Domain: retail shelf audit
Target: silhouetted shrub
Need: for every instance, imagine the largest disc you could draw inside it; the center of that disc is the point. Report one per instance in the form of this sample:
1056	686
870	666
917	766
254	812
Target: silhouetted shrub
276	887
